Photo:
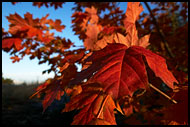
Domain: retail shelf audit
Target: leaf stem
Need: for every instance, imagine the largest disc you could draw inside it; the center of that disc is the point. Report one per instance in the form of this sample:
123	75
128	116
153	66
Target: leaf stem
99	112
165	95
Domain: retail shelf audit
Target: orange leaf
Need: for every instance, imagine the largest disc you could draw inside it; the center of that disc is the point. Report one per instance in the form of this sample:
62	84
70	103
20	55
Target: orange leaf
99	122
92	12
132	13
57	25
119	38
17	23
143	41
94	104
104	41
8	43
15	58
32	27
92	37
132	38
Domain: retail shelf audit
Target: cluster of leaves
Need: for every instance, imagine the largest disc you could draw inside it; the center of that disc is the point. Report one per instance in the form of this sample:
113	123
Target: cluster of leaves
172	19
115	61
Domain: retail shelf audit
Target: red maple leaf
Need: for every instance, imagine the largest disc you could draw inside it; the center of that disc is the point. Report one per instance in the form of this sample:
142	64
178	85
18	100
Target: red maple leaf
95	106
121	70
28	27
9	42
17	23
27	24
109	30
53	91
56	25
54	88
15	58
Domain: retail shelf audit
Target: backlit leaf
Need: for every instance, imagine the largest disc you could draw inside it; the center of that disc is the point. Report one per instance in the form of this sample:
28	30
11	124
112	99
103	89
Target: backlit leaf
53	91
99	122
121	70
9	42
94	104
92	37
132	13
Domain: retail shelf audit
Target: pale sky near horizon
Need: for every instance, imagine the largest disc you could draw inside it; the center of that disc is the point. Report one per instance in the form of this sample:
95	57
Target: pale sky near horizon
29	70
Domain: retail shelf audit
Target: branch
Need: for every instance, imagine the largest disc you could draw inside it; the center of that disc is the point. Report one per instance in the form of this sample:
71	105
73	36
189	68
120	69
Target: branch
165	95
160	32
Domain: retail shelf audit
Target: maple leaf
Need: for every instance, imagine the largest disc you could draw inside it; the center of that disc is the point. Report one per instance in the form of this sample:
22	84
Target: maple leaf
34	32
47	4
131	39
104	41
119	38
74	90
109	30
143	41
99	122
56	25
52	90
72	58
95	106
113	38
15	58
47	37
30	21
92	12
79	17
121	70
44	20
9	42
92	37
17	23
92	29
132	14
28	27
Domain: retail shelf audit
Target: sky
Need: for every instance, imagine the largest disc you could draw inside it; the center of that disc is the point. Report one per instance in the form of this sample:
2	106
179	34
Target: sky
27	70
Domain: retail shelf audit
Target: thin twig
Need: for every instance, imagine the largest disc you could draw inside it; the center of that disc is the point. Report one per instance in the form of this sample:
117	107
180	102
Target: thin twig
160	32
165	95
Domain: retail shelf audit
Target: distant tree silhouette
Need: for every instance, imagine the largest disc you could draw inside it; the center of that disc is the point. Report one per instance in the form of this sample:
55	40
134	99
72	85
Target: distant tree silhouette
7	80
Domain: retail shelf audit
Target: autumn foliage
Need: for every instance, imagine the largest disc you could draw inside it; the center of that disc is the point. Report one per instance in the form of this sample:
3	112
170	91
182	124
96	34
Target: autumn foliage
124	57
